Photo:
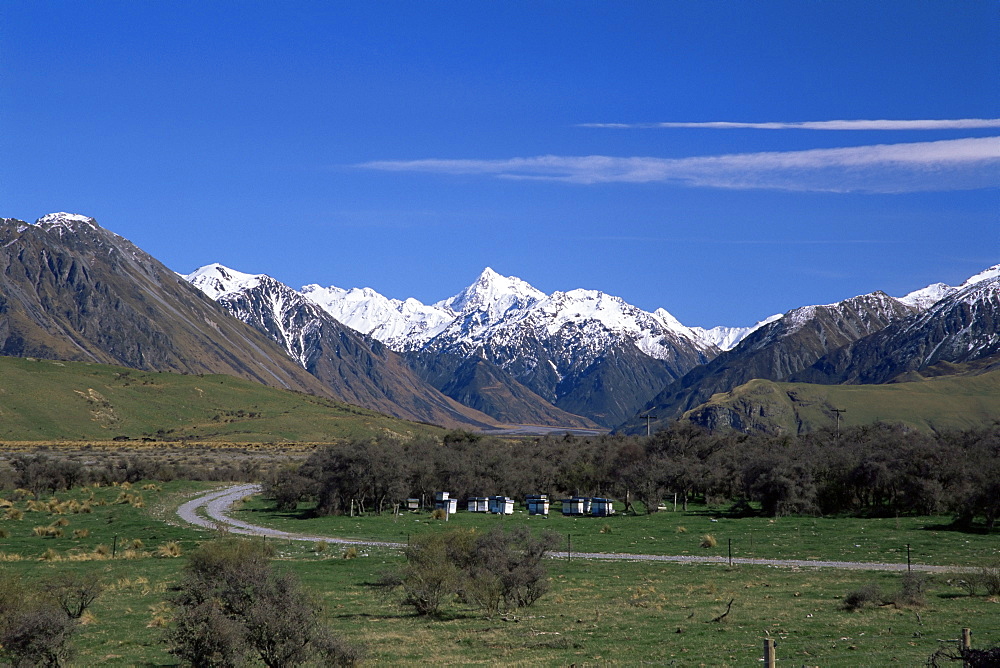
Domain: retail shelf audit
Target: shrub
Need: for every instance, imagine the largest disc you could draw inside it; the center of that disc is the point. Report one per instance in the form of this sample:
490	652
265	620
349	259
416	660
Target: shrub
231	604
913	590
989	578
497	571
867	595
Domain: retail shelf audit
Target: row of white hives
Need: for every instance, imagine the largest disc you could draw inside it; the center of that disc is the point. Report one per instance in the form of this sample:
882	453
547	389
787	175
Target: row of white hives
537	504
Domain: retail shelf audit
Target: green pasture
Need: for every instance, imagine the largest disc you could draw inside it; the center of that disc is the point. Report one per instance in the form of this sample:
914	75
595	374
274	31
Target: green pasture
597	613
45	400
931	539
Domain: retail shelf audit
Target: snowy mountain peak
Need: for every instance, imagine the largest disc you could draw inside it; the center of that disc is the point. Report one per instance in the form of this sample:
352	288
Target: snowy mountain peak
217	281
66	221
397	323
924	298
494	295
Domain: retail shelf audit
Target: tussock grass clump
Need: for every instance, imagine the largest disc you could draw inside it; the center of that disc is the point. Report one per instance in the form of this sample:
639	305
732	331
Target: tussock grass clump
102	551
40	531
319	546
169	550
350	552
81	533
4	533
708	541
50	555
61	522
10	557
162	614
606	528
136	544
439	514
14	514
682	530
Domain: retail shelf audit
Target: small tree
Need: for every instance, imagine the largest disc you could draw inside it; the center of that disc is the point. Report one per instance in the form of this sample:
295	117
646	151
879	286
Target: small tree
73	592
34	630
232	604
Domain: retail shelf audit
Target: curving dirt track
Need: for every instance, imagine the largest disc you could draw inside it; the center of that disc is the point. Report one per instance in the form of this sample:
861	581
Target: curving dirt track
217	503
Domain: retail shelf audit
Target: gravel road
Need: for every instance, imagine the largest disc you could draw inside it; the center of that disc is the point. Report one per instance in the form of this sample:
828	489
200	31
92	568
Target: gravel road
215	504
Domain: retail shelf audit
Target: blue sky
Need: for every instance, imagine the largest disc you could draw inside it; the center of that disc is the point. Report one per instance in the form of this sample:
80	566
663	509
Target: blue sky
405	146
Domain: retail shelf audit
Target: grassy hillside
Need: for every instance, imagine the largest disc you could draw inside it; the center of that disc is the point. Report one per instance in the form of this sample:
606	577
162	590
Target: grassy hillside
42	400
931	404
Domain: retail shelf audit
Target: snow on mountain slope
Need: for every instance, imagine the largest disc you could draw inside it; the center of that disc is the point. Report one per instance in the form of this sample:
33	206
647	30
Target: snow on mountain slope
217	281
400	324
727	338
924	298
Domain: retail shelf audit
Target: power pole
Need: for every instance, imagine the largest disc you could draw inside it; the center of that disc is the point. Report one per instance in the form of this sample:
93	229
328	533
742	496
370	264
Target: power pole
838	411
647	418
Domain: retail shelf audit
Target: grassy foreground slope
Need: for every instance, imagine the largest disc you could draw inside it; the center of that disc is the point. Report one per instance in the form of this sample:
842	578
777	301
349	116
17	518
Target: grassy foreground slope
928	404
42	400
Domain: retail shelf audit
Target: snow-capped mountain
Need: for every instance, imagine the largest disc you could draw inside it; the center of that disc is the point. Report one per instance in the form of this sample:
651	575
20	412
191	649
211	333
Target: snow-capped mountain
72	290
924	298
779	349
400	324
962	327
358	369
546	343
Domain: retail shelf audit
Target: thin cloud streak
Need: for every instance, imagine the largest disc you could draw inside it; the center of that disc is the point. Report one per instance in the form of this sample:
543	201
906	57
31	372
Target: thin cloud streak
944	124
957	164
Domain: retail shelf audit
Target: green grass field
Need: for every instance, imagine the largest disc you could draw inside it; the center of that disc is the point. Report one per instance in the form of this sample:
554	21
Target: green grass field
839	539
43	400
598	613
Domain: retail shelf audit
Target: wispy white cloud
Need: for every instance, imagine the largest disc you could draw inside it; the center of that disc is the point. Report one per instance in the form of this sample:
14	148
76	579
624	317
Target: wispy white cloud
942	124
957	164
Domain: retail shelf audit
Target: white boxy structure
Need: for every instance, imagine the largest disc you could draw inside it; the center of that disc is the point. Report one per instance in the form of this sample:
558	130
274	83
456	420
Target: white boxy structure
501	505
477	504
443	501
538	504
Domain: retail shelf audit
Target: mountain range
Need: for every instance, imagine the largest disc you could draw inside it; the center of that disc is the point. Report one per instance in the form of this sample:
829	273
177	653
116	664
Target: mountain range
498	352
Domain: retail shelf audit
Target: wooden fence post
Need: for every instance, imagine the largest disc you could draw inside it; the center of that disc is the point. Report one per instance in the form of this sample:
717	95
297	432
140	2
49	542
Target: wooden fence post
769	657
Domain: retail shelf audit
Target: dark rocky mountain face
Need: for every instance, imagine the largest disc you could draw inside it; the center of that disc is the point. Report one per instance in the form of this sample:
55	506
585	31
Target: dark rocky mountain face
778	350
72	290
963	327
475	382
355	368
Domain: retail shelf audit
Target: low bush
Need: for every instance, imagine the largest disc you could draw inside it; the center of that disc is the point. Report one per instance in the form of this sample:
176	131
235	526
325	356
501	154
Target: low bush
867	595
